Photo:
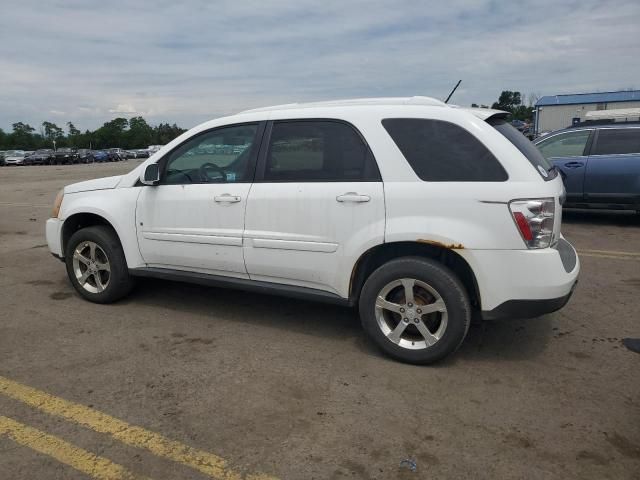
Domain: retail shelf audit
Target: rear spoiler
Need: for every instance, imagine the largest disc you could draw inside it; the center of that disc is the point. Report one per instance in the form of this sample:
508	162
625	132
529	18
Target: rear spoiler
485	114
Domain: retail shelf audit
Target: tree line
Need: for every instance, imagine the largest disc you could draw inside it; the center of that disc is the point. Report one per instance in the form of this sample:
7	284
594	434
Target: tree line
512	102
119	132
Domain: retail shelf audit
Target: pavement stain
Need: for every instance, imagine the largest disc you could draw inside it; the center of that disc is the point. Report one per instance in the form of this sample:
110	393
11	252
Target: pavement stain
580	355
60	295
517	440
633	281
39	282
624	446
592	457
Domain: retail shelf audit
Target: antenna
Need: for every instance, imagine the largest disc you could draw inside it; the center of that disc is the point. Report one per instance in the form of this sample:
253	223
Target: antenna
454	89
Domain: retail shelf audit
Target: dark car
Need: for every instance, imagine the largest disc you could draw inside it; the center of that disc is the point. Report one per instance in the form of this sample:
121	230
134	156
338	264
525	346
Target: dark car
116	154
85	155
100	156
600	164
65	155
41	157
142	153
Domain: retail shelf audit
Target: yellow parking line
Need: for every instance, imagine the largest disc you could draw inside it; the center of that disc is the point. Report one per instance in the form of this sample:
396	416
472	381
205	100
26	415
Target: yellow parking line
9	204
609	254
86	462
205	462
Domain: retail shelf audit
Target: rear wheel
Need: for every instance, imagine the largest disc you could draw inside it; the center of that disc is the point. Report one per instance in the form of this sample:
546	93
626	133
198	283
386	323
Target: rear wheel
96	265
416	310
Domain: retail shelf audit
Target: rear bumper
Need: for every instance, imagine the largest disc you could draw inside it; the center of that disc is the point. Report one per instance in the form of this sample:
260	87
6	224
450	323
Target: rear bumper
521	309
523	283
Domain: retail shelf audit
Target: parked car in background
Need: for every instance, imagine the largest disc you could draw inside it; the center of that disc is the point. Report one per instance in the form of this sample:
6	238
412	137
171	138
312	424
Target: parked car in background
518	124
423	214
529	132
600	164
2	158
100	156
117	154
65	156
14	157
41	157
85	155
142	153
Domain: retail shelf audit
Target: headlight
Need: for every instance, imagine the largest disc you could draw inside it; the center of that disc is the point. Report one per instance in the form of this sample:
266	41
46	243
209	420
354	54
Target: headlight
57	203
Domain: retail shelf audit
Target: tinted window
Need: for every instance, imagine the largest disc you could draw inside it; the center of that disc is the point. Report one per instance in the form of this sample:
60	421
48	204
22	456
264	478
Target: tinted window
525	146
443	152
218	156
617	141
315	151
569	144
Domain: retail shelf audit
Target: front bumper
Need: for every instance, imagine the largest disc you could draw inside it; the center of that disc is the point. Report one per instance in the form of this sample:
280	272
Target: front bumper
53	232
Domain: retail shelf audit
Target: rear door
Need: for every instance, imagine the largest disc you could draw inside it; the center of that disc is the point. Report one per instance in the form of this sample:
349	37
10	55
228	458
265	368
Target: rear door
316	204
613	170
569	152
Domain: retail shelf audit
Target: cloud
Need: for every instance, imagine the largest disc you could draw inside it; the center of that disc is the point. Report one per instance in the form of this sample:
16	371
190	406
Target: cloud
124	108
186	62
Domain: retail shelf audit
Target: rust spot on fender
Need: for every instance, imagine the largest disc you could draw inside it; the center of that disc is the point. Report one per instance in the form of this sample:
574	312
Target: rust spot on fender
452	246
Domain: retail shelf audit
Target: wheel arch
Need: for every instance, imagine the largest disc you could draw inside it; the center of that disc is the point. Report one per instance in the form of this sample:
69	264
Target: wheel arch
445	254
80	220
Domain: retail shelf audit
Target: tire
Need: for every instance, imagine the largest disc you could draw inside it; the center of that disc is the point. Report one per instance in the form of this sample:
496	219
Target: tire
434	287
113	284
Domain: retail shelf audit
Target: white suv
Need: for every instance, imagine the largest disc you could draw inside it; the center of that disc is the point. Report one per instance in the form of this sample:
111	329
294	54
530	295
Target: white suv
419	213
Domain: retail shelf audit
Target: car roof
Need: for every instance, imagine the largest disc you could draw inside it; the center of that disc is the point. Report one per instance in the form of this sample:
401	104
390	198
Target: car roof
355	103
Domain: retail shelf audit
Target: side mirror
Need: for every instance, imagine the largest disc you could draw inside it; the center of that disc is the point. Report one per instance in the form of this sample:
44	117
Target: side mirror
150	175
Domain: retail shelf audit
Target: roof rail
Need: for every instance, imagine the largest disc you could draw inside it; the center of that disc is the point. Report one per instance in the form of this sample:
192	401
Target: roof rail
353	102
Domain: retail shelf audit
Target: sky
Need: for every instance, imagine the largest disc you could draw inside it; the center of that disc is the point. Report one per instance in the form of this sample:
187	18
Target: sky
89	61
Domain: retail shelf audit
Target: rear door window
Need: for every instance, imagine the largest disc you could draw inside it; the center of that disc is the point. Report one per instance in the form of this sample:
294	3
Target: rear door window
613	141
318	151
440	151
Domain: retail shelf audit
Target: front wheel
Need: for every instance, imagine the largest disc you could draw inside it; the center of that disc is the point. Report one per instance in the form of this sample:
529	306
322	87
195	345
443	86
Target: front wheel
415	309
96	265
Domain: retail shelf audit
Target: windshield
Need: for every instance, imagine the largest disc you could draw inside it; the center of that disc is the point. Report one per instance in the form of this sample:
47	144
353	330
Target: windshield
528	149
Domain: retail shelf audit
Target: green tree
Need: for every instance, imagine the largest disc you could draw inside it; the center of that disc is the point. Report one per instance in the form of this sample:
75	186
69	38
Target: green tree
140	133
52	131
112	134
22	136
507	101
73	131
512	102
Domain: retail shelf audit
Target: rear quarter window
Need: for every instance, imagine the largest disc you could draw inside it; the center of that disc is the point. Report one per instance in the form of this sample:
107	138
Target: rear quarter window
528	149
440	151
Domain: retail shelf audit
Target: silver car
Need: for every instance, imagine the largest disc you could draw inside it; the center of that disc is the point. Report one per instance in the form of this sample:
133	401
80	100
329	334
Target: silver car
14	157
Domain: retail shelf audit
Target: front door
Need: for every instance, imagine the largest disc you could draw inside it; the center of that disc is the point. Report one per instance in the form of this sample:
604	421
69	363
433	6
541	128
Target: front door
194	219
317	202
567	151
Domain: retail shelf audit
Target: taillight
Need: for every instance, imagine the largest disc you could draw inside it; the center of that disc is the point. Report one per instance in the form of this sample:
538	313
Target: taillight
534	219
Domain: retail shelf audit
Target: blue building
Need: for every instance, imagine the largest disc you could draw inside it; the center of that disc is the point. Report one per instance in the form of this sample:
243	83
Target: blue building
561	111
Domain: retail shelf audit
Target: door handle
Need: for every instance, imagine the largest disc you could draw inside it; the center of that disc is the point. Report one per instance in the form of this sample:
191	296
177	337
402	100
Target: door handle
353	197
574	164
226	198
